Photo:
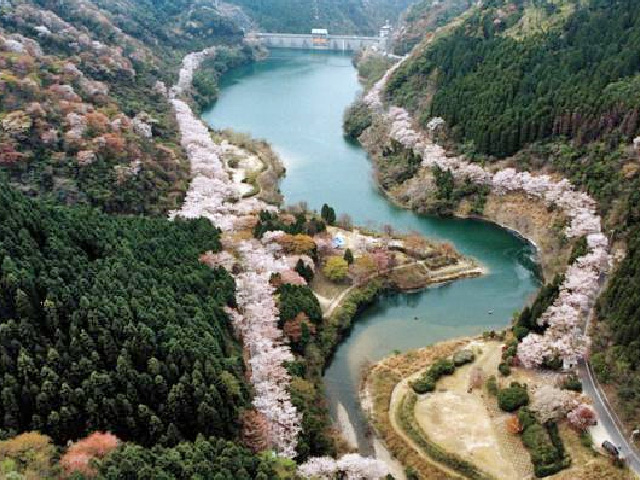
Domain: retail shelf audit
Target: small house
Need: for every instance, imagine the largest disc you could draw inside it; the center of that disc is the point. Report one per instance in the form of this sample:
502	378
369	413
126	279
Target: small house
569	362
320	37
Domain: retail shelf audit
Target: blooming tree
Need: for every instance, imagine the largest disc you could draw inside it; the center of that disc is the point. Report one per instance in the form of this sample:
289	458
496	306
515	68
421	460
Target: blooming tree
350	466
213	194
552	403
582	417
79	455
564	338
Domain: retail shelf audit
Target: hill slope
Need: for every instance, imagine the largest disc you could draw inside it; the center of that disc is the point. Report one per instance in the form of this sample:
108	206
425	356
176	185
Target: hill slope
339	16
550	86
83	108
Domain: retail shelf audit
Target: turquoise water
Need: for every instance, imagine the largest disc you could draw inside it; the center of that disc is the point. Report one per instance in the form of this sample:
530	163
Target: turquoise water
295	100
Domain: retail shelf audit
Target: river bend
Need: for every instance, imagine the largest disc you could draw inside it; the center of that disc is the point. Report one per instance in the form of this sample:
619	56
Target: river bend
295	100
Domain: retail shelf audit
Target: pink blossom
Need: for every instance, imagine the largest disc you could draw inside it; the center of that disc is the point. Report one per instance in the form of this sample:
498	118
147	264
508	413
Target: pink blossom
566	317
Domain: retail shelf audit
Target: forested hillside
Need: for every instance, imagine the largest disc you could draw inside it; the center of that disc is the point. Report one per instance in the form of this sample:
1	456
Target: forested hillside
84	113
550	86
501	90
339	16
111	323
426	16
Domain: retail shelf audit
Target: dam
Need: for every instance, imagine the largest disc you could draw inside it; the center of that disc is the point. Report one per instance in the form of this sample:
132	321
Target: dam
320	39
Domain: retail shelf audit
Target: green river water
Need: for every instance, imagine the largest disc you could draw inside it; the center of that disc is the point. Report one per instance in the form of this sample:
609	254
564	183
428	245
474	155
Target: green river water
295	100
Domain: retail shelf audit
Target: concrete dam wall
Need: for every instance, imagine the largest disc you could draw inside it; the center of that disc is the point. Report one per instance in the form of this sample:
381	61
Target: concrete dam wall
312	42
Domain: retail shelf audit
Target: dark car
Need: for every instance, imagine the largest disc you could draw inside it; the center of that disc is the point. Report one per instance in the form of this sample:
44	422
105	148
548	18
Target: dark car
610	448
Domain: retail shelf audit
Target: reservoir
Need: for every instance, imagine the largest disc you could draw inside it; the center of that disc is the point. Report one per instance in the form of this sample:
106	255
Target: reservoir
295	100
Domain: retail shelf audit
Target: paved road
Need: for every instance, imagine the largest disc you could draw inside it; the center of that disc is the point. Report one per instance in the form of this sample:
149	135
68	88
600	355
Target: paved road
607	420
606	416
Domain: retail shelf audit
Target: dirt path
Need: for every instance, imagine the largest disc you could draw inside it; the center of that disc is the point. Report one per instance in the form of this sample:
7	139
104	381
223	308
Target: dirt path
337	300
468	424
399	392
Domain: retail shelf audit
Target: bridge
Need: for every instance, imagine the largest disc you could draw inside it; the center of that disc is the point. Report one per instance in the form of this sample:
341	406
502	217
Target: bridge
320	39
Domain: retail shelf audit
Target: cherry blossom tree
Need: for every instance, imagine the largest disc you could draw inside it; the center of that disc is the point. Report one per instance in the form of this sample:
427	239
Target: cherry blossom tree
582	417
79	455
566	317
350	466
552	403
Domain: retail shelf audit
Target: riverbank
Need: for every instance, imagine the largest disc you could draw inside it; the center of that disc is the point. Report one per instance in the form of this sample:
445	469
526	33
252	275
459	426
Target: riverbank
527	217
413	263
323	168
252	164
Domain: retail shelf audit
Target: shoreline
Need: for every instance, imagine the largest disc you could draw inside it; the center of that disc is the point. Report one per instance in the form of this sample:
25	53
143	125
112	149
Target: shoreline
538	253
368	397
354	318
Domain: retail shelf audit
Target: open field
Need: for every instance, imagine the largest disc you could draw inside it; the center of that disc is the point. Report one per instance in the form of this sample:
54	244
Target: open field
457	433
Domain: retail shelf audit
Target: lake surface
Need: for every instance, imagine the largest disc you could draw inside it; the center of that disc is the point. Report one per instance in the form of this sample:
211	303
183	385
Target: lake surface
295	100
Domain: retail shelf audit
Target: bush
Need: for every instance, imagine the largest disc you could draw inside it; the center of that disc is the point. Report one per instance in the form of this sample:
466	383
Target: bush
586	440
427	382
411	474
336	269
423	385
544	444
572	382
512	398
526	418
441	368
492	386
554	363
600	367
520	332
357	119
504	369
463	357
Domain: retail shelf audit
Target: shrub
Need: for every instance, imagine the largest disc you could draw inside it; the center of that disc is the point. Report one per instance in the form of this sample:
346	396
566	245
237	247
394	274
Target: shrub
463	357
512	398
543	443
526	418
423	385
492	386
427	382
504	369
586	440
357	119
572	382
442	367
336	268
520	332
600	367
554	363
411	474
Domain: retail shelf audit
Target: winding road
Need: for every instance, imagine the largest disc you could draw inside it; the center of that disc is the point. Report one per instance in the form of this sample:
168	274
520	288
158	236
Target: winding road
607	418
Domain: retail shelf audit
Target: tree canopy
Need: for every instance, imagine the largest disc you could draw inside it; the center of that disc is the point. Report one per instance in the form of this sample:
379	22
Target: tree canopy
501	92
111	323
